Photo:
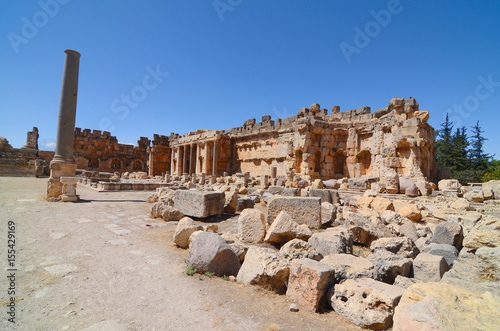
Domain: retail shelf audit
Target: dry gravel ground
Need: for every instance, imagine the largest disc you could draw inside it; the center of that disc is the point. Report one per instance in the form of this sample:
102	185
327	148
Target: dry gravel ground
103	264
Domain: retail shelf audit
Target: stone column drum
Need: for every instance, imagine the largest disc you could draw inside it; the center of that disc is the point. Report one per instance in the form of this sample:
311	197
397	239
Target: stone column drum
63	164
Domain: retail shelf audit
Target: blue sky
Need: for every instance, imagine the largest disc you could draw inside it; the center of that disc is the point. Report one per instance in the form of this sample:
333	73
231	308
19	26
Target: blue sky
176	66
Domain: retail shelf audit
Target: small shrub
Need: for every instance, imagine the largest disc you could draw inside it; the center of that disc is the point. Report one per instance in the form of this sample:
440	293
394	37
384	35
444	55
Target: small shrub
225	277
190	271
209	274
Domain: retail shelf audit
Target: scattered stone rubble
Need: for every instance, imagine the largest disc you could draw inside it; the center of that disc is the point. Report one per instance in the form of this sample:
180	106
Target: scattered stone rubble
373	261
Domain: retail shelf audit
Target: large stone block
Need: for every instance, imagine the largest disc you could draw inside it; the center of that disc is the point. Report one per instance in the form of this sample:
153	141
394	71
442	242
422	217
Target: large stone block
284	229
308	282
209	252
298	249
332	241
303	210
251	226
439	306
265	267
366	302
184	229
429	268
348	266
389	265
198	203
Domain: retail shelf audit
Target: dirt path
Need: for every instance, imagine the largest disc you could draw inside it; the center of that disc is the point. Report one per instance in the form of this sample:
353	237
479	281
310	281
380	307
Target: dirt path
103	264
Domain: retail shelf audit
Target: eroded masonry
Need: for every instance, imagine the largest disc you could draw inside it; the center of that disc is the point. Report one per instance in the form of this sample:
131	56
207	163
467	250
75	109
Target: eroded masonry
314	144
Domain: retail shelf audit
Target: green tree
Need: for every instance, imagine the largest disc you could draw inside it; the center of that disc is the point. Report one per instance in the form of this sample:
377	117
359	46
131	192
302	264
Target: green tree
493	172
478	158
459	145
443	145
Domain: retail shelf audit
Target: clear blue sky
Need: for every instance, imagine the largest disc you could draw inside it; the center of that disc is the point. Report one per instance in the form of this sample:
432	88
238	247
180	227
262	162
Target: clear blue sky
222	62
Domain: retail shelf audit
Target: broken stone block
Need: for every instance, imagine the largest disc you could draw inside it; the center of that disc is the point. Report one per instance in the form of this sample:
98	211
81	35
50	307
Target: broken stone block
488	263
365	302
449	185
251	226
244	203
440	306
474	196
332	241
298	249
290	192
308	282
449	252
265	267
401	246
361	229
429	268
348	266
284	229
320	193
388	266
198	203
303	210
328	213
240	250
461	204
210	253
231	201
380	205
404	282
184	229
450	233
412	212
170	214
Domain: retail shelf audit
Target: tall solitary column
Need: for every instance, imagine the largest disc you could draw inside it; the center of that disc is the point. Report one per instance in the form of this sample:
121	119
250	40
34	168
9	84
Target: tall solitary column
63	164
214	165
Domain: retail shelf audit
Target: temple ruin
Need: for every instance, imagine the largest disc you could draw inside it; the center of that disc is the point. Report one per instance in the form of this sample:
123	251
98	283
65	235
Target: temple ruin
314	144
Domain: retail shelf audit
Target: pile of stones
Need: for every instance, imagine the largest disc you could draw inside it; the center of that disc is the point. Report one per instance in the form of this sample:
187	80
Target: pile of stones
377	259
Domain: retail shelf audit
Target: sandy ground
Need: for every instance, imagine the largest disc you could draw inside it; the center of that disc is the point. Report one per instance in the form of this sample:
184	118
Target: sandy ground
103	264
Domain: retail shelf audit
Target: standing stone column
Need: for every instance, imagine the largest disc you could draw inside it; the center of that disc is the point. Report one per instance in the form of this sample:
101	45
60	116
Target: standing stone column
63	164
214	165
172	156
191	158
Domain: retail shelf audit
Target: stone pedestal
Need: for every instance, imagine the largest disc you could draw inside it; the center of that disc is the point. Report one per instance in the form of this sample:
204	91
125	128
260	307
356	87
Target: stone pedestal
59	168
69	189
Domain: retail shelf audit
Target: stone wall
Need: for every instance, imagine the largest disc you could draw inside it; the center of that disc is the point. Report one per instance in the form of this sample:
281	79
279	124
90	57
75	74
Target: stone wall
100	151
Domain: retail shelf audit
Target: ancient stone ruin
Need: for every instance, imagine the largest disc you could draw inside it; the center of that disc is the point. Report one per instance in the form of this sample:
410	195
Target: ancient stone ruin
341	211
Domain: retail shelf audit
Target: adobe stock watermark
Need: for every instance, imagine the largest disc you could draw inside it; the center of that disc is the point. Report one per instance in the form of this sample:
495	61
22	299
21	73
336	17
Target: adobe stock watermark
372	29
281	114
484	89
30	28
223	6
138	93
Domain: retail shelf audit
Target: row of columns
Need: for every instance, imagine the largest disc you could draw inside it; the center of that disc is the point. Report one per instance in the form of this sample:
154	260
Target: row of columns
179	160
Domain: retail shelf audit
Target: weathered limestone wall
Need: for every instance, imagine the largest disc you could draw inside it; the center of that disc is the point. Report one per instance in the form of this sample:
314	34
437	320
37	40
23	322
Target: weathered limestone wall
159	156
343	144
27	161
100	151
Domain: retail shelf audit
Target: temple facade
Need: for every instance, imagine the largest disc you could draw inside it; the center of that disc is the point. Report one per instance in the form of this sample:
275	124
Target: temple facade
315	144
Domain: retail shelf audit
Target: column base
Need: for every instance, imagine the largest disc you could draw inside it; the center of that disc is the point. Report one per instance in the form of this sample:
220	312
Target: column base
59	168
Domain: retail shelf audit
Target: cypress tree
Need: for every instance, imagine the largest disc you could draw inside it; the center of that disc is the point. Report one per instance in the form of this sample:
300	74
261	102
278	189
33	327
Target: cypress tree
443	145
